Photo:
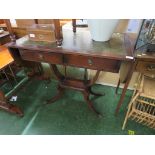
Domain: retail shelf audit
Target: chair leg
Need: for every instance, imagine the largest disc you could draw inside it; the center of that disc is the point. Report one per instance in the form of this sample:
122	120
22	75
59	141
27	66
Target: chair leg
74	25
129	108
125	121
14	76
126	117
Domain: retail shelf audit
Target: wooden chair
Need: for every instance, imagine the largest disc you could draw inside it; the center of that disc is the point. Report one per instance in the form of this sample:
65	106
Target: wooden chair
4	103
142	105
5	64
6	61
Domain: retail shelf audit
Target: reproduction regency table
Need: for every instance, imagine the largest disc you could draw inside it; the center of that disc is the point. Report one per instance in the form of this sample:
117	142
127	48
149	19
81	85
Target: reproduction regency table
78	50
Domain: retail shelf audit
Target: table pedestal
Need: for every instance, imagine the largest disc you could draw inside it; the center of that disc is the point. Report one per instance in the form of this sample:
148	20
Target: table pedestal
81	85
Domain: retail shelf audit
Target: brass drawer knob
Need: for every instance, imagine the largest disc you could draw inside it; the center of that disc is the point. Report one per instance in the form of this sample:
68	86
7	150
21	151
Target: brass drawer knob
41	36
90	62
41	56
151	67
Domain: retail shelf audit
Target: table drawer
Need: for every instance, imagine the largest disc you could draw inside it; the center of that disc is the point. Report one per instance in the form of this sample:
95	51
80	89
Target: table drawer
30	55
92	63
147	67
53	58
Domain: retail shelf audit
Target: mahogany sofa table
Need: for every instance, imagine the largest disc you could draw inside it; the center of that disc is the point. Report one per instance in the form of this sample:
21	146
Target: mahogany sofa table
78	50
4	38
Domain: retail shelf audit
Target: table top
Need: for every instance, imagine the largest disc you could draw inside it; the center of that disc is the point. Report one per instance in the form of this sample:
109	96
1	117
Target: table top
5	57
119	47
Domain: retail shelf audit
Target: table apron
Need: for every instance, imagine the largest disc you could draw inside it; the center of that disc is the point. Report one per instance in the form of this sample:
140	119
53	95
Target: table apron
82	61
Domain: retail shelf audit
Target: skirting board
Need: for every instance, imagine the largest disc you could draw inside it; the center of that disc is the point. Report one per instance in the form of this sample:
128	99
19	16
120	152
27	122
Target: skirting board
112	85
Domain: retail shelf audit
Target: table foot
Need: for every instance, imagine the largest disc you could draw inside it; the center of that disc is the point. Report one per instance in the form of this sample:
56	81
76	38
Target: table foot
8	106
90	104
57	96
11	108
94	93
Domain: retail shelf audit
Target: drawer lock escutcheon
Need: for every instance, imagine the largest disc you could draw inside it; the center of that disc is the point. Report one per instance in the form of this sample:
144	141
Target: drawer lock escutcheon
151	67
41	36
90	62
41	56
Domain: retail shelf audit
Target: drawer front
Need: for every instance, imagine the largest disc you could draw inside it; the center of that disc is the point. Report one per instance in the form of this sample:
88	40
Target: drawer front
53	58
92	63
146	67
31	55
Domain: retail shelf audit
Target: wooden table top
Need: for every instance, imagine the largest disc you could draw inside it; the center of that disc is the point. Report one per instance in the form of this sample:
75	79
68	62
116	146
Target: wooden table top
119	47
5	57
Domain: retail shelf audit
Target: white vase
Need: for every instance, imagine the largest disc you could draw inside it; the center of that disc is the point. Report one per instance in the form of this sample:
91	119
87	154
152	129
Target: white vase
102	29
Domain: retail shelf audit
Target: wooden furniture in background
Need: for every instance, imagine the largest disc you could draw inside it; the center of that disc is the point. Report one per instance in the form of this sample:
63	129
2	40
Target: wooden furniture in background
20	30
1	21
142	105
58	31
5	62
41	32
5	57
8	25
24	23
78	50
74	25
4	103
4	38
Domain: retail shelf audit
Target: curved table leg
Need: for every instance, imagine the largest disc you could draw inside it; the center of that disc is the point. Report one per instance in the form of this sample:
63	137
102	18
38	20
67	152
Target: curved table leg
11	108
92	82
90	104
60	78
83	86
94	93
57	96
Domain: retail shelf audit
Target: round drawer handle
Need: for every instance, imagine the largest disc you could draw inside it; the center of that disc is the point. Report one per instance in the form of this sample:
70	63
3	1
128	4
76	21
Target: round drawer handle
41	36
151	67
90	62
41	56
